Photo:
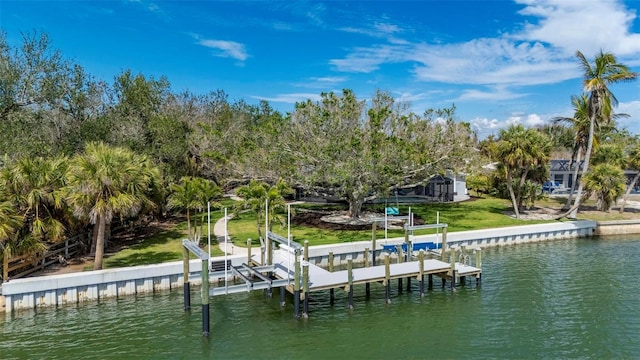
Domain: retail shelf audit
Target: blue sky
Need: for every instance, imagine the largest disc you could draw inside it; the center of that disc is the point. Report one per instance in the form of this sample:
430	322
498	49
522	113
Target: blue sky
500	62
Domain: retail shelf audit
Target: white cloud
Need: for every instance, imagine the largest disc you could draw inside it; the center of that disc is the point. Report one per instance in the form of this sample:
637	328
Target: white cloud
485	126
499	93
225	48
379	30
291	98
533	120
632	108
575	25
542	53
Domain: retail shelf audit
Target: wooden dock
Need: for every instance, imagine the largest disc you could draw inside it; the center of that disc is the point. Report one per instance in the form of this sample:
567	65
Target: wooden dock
321	279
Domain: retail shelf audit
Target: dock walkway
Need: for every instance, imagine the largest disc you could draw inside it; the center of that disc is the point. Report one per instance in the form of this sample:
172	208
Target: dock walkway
321	279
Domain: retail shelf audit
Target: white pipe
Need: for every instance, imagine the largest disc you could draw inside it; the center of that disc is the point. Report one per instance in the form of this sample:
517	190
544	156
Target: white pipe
226	244
437	228
385	226
209	230
288	242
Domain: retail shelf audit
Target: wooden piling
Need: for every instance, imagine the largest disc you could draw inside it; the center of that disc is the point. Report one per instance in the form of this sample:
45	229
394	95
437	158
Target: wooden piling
305	284
400	260
373	242
204	292
306	250
367	287
387	279
249	252
332	296
478	264
296	285
444	243
186	285
350	281
453	268
421	274
366	257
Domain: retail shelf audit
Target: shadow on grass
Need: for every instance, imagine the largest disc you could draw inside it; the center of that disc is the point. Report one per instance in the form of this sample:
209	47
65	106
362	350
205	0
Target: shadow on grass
163	246
143	258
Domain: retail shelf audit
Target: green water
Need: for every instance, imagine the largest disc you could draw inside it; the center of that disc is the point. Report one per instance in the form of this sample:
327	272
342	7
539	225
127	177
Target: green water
555	300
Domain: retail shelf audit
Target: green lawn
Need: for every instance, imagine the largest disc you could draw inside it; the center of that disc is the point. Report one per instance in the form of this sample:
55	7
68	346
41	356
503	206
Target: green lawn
166	245
468	215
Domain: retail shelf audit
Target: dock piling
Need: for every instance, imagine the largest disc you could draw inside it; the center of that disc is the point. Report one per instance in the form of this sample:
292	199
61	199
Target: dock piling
453	268
186	286
400	260
367	286
332	295
350	281
305	284
205	297
249	252
387	277
421	276
296	285
373	242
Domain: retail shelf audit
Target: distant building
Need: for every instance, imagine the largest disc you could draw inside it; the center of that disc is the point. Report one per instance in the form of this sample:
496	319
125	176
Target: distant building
562	173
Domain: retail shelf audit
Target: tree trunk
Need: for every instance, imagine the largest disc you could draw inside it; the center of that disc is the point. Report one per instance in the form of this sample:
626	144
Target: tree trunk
355	207
574	180
514	201
628	192
97	263
523	180
94	239
573	212
189	225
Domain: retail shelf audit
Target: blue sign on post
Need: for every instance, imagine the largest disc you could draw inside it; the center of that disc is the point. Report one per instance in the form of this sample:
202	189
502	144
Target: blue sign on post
392	211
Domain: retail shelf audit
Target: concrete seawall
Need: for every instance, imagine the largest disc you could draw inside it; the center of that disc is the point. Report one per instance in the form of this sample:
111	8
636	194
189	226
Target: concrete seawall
58	290
478	238
617	227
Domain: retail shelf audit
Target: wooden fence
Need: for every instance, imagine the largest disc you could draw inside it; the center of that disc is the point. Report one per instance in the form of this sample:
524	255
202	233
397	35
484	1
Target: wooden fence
24	265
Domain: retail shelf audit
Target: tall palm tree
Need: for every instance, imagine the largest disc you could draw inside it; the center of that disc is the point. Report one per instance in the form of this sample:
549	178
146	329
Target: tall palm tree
256	193
193	193
184	196
580	124
521	151
597	76
108	181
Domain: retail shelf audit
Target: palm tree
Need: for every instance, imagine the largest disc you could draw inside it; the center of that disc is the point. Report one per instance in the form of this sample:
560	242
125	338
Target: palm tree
521	151
184	196
10	224
107	181
580	124
633	162
256	193
607	182
193	193
604	71
33	186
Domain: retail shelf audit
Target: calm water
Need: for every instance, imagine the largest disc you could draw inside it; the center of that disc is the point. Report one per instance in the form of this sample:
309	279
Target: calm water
556	300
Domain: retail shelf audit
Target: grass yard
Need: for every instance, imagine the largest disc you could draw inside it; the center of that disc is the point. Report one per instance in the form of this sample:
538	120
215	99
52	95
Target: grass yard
468	215
165	245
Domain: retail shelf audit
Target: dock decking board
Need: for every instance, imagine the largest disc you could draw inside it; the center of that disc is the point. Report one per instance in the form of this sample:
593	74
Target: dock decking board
321	279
